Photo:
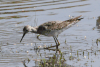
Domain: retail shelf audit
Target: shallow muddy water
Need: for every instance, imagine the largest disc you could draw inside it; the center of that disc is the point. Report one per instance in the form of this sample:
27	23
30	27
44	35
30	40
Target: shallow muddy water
79	45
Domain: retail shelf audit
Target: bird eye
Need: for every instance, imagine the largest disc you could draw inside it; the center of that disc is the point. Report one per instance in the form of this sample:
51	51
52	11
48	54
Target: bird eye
25	29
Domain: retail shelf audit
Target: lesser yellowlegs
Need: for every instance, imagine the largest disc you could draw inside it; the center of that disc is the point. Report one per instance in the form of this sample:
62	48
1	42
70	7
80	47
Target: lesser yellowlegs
51	28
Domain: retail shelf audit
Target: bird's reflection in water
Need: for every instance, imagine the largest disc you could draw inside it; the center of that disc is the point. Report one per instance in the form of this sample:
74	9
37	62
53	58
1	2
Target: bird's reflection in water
98	23
98	27
56	59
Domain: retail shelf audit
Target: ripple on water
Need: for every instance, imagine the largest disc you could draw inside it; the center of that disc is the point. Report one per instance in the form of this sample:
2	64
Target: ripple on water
80	47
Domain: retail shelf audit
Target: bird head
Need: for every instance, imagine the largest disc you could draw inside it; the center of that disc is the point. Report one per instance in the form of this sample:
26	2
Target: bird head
26	29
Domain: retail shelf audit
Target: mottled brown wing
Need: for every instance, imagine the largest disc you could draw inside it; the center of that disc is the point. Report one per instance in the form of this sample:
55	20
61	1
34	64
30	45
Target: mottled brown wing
63	24
49	25
57	25
44	27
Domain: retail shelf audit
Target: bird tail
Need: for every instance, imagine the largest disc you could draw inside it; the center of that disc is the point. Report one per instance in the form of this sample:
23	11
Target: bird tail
71	22
75	19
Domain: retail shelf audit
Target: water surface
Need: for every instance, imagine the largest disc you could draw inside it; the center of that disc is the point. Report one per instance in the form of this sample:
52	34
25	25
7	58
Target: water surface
78	42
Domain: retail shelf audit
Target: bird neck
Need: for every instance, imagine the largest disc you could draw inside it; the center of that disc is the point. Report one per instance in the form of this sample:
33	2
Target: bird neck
34	30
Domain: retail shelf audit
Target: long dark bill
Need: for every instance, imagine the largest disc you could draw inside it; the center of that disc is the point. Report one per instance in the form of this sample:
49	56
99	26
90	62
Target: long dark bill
22	37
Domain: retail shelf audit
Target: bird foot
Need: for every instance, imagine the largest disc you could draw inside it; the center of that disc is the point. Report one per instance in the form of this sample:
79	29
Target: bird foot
49	47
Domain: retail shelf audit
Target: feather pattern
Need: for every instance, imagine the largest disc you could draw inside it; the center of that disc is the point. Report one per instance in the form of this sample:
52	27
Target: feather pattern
54	26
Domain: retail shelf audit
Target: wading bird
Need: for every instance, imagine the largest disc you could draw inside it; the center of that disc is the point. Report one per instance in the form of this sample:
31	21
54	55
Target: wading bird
51	28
